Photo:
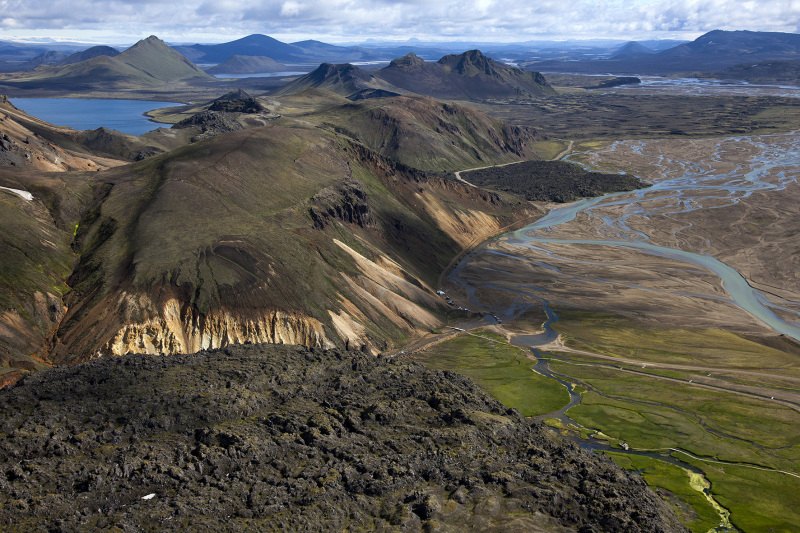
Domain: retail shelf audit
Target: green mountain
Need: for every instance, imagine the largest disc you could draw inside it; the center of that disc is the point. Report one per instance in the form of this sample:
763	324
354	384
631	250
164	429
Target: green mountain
147	64
301	231
156	59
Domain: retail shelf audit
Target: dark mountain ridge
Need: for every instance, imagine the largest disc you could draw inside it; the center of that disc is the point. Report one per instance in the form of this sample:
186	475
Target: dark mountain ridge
713	51
240	64
252	45
344	79
768	72
467	76
89	53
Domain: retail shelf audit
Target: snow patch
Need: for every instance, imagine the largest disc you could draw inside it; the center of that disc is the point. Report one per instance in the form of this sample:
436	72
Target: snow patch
25	194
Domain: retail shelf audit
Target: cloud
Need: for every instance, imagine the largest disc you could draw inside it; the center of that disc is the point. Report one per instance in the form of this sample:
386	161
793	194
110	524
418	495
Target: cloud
509	20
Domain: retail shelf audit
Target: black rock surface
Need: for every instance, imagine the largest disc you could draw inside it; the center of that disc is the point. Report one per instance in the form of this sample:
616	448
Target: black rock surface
266	438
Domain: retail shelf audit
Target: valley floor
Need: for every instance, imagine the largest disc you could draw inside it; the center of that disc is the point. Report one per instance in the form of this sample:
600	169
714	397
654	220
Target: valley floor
657	344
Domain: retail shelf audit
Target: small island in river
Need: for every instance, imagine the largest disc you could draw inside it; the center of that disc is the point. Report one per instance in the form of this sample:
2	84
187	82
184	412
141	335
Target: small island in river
551	181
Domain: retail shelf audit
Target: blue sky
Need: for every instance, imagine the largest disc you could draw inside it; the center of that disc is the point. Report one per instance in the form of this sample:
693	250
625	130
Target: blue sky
121	22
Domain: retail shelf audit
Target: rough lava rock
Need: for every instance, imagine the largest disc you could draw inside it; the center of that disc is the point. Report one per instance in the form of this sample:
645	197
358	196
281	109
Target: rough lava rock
287	438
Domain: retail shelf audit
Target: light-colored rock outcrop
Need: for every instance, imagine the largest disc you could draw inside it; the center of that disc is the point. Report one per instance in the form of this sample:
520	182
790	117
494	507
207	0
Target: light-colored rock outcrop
179	328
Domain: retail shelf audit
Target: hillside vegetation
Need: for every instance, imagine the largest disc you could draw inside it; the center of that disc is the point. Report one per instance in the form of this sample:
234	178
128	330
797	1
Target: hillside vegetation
305	228
149	63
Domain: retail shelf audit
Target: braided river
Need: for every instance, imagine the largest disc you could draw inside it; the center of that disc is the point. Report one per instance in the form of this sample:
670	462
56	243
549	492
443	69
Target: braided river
649	239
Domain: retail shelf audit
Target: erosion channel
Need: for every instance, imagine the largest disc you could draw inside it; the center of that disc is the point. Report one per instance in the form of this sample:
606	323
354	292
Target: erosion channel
669	311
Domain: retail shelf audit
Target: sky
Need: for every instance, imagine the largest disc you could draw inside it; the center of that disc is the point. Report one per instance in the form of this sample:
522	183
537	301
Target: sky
210	21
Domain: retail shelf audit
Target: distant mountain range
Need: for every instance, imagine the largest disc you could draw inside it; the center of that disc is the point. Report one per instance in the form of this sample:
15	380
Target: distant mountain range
716	50
17	57
304	52
467	76
633	49
152	62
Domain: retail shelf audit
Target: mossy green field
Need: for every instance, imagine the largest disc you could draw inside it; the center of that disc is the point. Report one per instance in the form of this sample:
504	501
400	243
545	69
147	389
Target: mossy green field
699	515
501	369
745	439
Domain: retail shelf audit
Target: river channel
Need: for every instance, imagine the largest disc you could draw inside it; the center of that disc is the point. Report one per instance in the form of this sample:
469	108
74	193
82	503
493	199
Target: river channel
646	249
636	222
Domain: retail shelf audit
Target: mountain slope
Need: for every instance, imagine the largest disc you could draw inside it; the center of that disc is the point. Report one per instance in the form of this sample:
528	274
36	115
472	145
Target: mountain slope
252	45
467	76
286	233
432	135
268	438
156	59
345	79
147	64
764	72
247	65
28	142
89	53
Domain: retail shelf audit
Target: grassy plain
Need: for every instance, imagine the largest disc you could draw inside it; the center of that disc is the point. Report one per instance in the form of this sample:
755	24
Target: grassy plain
718	425
500	368
619	336
652	407
674	485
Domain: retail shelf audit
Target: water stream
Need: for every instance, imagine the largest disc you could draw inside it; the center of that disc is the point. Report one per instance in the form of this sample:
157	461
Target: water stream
685	186
621	220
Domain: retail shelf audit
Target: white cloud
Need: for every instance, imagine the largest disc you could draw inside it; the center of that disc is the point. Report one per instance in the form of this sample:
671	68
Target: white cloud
291	9
509	20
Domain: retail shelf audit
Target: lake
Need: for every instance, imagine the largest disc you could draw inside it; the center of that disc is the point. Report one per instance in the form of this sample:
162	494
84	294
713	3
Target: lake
126	116
263	74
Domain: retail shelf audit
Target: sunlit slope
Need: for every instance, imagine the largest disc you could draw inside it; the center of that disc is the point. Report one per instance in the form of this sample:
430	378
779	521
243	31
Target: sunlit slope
27	142
289	233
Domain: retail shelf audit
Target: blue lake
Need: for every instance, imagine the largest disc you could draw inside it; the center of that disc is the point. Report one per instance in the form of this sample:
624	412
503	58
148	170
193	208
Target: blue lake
126	116
263	74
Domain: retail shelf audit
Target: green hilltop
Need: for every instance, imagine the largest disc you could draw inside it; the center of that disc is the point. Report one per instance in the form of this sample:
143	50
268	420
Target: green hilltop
147	64
319	230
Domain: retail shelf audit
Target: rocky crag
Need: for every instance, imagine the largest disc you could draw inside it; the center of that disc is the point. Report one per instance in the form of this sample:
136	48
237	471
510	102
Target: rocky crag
287	438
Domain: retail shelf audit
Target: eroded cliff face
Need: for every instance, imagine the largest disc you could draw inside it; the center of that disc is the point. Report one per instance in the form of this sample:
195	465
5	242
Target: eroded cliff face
178	329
